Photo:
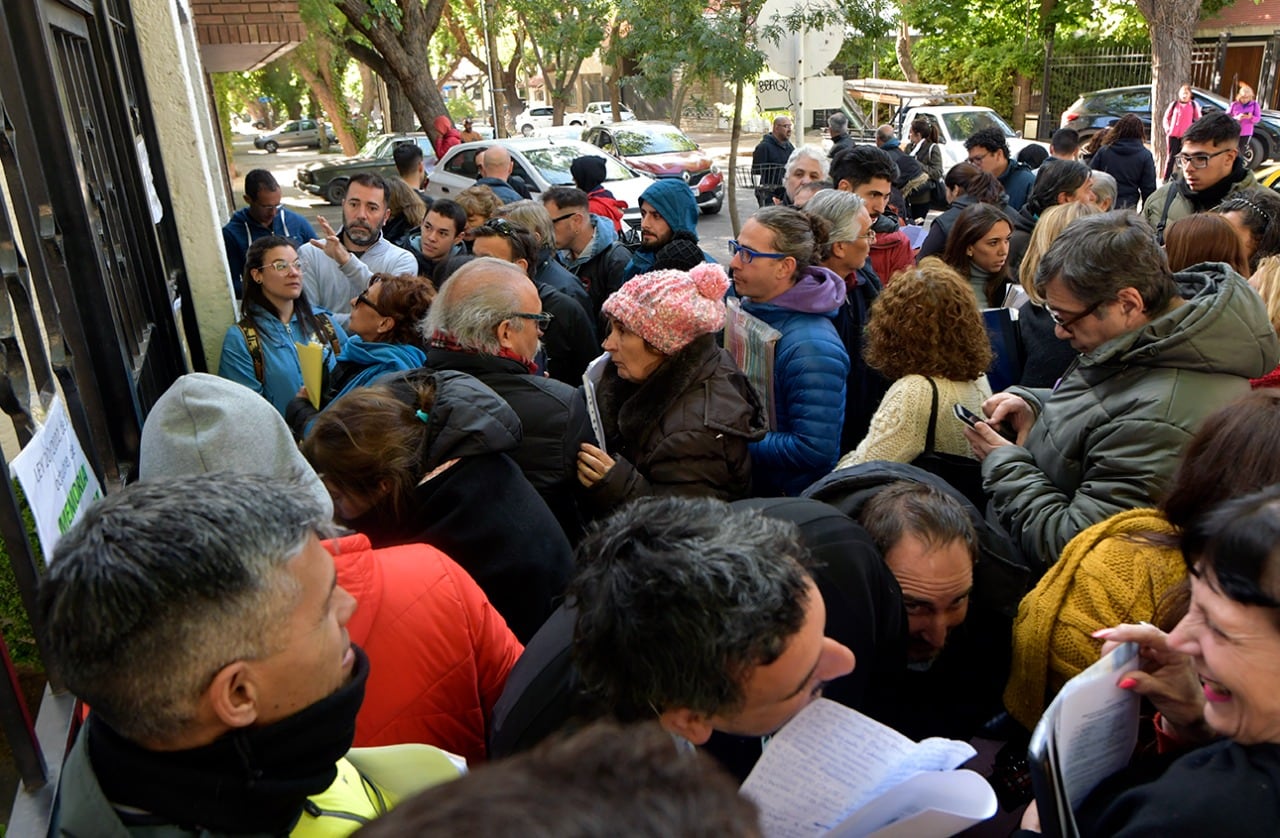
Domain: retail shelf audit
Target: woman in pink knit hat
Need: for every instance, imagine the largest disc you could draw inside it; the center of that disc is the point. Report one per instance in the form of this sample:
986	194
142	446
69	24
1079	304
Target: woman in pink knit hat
677	413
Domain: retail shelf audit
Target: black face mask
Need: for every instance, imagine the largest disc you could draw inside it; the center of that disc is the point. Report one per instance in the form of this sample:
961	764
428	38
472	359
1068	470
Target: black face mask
254	779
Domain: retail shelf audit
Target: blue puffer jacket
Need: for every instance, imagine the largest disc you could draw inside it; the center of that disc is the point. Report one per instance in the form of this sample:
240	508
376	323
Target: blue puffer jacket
809	378
281	370
674	201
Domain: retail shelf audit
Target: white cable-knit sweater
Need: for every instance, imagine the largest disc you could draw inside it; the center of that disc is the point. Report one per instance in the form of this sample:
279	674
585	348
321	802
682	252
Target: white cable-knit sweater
900	425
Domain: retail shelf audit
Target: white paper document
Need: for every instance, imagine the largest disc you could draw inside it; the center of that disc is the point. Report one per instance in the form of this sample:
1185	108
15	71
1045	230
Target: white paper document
833	770
591	378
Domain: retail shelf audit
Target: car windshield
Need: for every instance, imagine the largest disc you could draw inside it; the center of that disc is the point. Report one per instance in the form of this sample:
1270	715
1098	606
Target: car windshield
966	123
379	146
553	163
659	141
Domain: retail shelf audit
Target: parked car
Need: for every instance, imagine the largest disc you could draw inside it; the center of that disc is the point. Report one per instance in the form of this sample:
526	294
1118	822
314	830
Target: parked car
956	123
1095	111
599	113
328	179
662	150
542	162
296	133
540	116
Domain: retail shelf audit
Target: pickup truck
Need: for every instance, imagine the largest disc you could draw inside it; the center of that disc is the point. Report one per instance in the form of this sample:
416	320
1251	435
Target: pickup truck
955	124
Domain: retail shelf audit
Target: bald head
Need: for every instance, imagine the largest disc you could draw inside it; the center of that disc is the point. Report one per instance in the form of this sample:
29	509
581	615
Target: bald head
477	299
495	161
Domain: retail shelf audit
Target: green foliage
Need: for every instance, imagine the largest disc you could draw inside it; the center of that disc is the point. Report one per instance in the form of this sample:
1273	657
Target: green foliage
563	35
14	622
988	70
460	108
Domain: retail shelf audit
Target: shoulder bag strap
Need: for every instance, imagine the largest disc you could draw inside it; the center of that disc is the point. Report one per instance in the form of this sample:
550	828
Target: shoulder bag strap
330	334
933	418
254	346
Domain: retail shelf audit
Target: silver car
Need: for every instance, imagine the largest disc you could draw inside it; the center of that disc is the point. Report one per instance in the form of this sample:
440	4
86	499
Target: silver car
294	133
542	162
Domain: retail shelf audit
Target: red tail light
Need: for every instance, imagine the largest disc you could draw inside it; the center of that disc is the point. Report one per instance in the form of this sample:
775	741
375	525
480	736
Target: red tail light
1072	117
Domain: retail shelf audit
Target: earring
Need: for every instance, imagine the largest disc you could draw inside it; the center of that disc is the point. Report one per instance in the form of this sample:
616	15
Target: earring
969	253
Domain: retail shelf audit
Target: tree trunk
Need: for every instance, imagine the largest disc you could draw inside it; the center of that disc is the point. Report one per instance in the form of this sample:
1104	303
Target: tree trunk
405	51
369	97
735	133
327	99
1021	98
903	48
1172	24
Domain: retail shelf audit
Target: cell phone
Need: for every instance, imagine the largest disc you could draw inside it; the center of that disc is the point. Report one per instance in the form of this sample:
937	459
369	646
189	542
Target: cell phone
966	415
972	419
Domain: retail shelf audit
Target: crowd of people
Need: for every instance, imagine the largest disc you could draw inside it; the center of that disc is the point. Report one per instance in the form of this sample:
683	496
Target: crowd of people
421	559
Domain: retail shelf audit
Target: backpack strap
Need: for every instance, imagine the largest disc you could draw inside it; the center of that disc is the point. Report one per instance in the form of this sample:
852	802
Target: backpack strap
254	346
1164	214
933	418
330	334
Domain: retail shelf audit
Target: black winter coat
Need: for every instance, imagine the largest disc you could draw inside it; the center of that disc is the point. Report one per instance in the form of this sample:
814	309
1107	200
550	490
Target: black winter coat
1133	167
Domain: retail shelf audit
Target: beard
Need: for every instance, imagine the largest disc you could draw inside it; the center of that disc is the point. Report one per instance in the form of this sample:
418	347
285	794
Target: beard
361	235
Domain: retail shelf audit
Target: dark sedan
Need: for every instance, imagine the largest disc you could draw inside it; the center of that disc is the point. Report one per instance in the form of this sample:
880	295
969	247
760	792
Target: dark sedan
662	150
328	179
1095	111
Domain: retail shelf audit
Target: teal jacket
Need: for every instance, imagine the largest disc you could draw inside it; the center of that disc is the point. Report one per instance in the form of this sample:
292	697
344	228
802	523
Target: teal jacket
1109	437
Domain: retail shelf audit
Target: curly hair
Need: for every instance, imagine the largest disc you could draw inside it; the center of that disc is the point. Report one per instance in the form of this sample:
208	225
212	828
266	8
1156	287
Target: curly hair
927	323
1127	127
479	200
405	298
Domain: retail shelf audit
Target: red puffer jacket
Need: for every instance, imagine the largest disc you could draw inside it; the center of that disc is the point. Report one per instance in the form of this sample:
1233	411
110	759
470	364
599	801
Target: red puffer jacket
439	653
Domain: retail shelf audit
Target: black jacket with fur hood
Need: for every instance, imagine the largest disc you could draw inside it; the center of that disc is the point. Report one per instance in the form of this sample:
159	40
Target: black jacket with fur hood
682	431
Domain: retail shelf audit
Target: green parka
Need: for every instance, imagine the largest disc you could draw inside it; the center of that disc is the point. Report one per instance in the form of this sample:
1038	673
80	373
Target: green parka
1109	437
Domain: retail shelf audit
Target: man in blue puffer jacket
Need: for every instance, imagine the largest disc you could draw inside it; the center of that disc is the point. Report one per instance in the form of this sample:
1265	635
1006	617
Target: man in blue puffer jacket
666	209
773	272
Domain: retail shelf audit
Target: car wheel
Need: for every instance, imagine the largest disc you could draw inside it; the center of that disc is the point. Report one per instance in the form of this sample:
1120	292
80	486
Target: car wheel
271	146
1256	153
335	192
526	130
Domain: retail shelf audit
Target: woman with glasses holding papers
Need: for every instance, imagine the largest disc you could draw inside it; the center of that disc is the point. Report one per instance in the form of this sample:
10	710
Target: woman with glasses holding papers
261	351
1214	679
777	277
676	412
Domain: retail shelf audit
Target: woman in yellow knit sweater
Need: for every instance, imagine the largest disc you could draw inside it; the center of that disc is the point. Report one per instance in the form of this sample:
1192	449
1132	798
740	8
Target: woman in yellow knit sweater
1129	568
925	328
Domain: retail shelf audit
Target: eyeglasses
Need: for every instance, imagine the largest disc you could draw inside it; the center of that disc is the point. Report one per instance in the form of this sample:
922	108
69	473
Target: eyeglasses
977	160
870	236
543	319
1199	161
1067	323
748	255
282	265
564	217
363	299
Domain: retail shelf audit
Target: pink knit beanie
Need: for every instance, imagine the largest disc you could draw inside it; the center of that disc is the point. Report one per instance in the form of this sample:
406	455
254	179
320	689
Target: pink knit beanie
670	308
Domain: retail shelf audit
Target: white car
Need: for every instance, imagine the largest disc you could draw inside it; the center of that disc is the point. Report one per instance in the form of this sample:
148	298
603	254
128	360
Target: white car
542	162
955	125
537	117
599	113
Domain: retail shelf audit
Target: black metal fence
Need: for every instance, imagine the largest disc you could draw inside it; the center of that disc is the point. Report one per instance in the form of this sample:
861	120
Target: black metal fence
93	276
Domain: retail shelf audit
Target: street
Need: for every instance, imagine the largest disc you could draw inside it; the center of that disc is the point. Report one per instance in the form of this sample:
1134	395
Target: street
713	230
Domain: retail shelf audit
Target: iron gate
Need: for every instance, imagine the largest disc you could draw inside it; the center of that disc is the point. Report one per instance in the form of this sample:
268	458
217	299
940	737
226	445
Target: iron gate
92	270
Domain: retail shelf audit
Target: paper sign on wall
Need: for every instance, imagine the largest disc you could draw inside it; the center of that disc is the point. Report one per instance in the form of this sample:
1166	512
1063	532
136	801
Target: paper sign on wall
56	477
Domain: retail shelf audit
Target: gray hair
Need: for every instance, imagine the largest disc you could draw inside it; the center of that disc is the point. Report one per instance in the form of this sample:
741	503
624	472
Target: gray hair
473	302
164	583
813	153
1105	188
1097	256
841	210
838	122
679	599
532	216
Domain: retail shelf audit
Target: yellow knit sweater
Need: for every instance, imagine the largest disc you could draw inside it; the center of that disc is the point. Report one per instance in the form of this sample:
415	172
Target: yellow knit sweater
1107	575
900	425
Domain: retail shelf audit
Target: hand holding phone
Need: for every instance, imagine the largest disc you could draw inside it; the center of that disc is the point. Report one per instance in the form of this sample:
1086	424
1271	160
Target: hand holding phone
972	419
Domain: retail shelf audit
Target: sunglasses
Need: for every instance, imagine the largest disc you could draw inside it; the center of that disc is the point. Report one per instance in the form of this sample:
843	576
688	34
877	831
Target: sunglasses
543	319
363	299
